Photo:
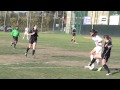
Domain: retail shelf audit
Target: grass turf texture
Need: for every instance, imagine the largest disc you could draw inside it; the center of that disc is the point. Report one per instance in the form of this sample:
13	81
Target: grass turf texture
56	58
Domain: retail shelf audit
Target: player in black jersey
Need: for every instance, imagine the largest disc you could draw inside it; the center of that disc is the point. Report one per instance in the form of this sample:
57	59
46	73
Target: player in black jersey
33	40
106	53
73	35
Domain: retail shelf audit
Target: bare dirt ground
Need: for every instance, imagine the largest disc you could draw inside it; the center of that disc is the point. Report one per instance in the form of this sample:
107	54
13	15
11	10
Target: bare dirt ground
49	55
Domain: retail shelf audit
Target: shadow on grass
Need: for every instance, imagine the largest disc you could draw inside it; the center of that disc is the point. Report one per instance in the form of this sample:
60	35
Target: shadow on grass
113	70
116	70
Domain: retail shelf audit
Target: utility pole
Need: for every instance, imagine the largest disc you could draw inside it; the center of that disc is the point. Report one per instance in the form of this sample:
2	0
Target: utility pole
28	18
54	17
92	19
18	19
42	21
63	21
5	19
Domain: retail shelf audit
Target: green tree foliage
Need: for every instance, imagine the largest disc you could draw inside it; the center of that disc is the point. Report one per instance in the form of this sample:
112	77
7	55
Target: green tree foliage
13	18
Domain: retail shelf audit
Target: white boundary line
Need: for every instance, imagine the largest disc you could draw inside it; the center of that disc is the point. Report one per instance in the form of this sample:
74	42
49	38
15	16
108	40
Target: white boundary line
34	67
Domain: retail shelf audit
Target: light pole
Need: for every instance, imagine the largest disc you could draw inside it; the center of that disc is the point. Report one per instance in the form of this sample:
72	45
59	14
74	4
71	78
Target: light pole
54	21
27	18
4	20
42	21
30	19
18	19
63	21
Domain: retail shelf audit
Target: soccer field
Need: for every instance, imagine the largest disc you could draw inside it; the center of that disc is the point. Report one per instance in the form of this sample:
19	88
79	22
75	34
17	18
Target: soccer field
56	58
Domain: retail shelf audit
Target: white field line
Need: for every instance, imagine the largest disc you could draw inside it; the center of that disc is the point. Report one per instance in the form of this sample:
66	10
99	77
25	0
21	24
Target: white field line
34	67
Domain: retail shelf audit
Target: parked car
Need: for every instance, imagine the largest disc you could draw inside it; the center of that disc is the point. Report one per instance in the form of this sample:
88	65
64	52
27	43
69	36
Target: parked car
8	28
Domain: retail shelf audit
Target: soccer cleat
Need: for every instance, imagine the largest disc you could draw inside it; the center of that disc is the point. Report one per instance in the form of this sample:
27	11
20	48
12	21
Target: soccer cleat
87	67
11	44
98	62
91	67
100	68
26	54
108	74
75	42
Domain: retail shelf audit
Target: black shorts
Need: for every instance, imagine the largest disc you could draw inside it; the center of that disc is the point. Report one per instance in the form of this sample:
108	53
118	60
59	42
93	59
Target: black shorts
74	34
106	57
15	38
31	41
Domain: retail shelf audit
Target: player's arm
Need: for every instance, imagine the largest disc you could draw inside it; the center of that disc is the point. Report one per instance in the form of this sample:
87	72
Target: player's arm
31	33
109	45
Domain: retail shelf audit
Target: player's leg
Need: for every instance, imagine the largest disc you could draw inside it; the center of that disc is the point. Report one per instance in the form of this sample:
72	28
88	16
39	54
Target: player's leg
92	55
104	61
97	56
72	38
98	50
15	42
29	46
91	58
34	47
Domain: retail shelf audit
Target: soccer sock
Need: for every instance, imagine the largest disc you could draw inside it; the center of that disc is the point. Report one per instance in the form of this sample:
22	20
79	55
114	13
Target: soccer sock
33	52
91	57
92	61
14	45
106	68
71	40
27	50
98	61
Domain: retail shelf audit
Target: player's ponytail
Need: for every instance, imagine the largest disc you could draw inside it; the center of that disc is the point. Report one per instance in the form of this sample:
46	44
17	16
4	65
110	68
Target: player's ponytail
94	32
108	37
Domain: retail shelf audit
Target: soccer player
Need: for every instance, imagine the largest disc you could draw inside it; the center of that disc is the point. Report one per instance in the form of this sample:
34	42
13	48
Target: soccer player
97	49
74	35
32	41
26	33
15	33
105	55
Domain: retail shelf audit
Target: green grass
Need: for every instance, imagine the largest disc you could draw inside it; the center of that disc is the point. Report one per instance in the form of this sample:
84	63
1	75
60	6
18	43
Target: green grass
59	63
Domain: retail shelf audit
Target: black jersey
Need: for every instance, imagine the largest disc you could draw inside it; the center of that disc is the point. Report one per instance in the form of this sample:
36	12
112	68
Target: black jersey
107	50
74	31
34	36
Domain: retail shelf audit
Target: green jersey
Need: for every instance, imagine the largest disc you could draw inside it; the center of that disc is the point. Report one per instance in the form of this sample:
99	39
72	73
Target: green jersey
15	33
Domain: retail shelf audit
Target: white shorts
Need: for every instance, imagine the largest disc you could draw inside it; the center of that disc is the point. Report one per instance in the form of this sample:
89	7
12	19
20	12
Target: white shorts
25	33
98	49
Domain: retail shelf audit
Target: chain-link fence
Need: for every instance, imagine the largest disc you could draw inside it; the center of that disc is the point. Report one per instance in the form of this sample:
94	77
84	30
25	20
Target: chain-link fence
105	25
48	21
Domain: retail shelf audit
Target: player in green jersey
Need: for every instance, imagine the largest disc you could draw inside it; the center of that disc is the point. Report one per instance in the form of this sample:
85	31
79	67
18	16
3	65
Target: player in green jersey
15	33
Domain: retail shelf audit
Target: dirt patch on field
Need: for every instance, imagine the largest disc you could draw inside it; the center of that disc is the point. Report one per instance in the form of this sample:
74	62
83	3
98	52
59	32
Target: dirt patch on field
87	37
51	56
45	54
